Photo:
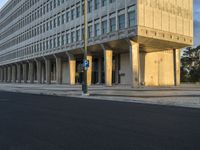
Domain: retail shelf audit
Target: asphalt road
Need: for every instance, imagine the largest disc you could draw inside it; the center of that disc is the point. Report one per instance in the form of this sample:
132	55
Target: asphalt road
38	122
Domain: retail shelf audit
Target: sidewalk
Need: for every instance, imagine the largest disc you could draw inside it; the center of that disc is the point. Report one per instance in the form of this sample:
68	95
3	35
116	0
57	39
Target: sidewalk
185	95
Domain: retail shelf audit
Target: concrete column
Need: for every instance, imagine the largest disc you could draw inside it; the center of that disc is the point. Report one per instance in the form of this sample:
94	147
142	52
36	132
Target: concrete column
116	68
24	68
48	71
9	74
43	73
177	55
39	71
13	73
1	73
99	70
53	73
108	57
72	69
58	70
134	62
19	73
5	74
89	71
31	72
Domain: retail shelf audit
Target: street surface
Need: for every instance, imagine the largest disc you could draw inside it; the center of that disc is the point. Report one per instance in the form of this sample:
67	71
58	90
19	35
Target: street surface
186	95
39	122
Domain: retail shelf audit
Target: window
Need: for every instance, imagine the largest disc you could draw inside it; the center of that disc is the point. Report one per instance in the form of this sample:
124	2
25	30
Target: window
104	27
111	1
121	22
43	27
104	2
67	16
51	5
54	42
47	44
58	41
112	24
54	4
96	4
58	21
67	38
63	19
131	19
89	6
63	40
47	7
54	22
47	25
78	11
44	48
58	2
89	31
78	36
73	38
72	14
50	43
44	8
50	24
97	29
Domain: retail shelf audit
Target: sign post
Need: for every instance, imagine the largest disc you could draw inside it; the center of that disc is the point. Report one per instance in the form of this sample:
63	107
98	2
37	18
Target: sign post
84	83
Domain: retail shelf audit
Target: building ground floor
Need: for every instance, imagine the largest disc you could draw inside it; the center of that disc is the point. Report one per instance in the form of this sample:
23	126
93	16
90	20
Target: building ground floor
129	65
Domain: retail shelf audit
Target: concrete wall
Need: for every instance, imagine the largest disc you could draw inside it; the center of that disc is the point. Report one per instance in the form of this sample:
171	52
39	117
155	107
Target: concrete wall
65	73
170	20
168	15
125	69
159	68
156	68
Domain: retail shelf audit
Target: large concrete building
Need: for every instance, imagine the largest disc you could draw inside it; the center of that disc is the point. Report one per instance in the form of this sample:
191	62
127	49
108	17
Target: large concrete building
135	42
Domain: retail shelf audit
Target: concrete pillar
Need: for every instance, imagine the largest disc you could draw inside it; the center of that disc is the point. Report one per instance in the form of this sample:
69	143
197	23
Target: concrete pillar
108	57
116	68
99	70
31	72
48	71
177	55
1	73
134	62
9	74
39	71
58	70
89	71
53	73
72	69
13	73
5	74
24	68
43	73
19	73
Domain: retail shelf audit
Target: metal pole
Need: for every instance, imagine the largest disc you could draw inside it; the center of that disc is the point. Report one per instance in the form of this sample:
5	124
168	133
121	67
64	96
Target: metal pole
84	83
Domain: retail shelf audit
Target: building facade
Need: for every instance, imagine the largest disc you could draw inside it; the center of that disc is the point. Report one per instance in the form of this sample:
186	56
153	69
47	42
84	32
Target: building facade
135	42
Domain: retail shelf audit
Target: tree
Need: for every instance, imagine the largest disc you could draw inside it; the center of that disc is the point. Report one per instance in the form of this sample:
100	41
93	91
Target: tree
190	68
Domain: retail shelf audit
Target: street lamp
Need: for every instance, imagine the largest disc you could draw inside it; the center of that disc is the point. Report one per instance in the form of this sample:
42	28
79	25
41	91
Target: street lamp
85	61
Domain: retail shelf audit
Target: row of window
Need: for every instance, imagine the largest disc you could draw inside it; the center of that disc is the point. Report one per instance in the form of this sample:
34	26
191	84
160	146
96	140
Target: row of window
63	39
46	7
8	8
99	28
25	6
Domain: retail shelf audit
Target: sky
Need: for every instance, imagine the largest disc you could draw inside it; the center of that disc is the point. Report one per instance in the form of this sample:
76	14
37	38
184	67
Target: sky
196	20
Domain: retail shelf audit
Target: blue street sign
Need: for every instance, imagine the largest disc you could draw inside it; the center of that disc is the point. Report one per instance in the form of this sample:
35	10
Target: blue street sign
86	64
